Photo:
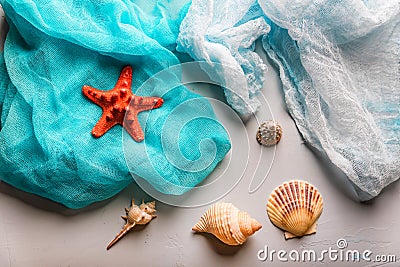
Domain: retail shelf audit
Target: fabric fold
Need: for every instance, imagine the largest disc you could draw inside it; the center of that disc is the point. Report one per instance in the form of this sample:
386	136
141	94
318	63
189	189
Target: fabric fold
339	65
213	31
51	51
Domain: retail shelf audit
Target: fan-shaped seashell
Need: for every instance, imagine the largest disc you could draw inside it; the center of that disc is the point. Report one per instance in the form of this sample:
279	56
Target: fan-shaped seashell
227	223
295	207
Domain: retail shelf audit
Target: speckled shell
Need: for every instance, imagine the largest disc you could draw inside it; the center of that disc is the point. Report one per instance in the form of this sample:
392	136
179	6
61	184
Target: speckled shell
269	133
295	207
227	223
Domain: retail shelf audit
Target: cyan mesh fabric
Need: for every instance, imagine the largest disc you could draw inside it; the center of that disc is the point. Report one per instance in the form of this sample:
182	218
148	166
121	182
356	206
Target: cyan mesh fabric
55	47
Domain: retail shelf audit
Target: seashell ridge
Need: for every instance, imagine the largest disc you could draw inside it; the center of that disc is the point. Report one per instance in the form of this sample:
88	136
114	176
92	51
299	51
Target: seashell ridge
295	207
227	223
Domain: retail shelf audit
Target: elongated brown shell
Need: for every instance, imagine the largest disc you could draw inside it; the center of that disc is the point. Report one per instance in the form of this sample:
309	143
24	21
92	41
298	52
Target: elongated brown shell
295	207
227	223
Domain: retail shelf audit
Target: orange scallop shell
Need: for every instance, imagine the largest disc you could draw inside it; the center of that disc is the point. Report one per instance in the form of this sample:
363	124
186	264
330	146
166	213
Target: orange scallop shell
295	207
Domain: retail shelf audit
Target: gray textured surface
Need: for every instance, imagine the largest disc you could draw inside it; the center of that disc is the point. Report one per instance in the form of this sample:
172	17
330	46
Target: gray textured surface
37	232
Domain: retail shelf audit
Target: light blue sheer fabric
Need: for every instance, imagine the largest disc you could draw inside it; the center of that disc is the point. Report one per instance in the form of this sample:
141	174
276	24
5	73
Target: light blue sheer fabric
215	32
339	66
55	47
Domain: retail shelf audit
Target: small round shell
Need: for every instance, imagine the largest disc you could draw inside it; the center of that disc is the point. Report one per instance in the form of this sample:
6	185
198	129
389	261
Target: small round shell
227	223
295	207
269	133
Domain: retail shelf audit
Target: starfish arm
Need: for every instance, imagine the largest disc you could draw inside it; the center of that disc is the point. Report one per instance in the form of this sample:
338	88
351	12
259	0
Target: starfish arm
125	79
132	126
146	103
95	95
103	125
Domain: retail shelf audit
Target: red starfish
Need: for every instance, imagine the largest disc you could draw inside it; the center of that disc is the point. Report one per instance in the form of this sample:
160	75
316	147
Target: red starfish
120	101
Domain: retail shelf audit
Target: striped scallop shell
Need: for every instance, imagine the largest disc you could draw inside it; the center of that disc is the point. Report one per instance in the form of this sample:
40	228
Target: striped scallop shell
295	207
227	223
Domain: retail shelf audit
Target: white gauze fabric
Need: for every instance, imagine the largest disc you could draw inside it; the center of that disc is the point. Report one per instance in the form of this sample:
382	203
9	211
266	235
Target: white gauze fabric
212	31
340	68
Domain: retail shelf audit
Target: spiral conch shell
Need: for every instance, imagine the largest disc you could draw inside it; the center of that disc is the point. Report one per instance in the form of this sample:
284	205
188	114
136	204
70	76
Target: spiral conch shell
227	223
295	207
